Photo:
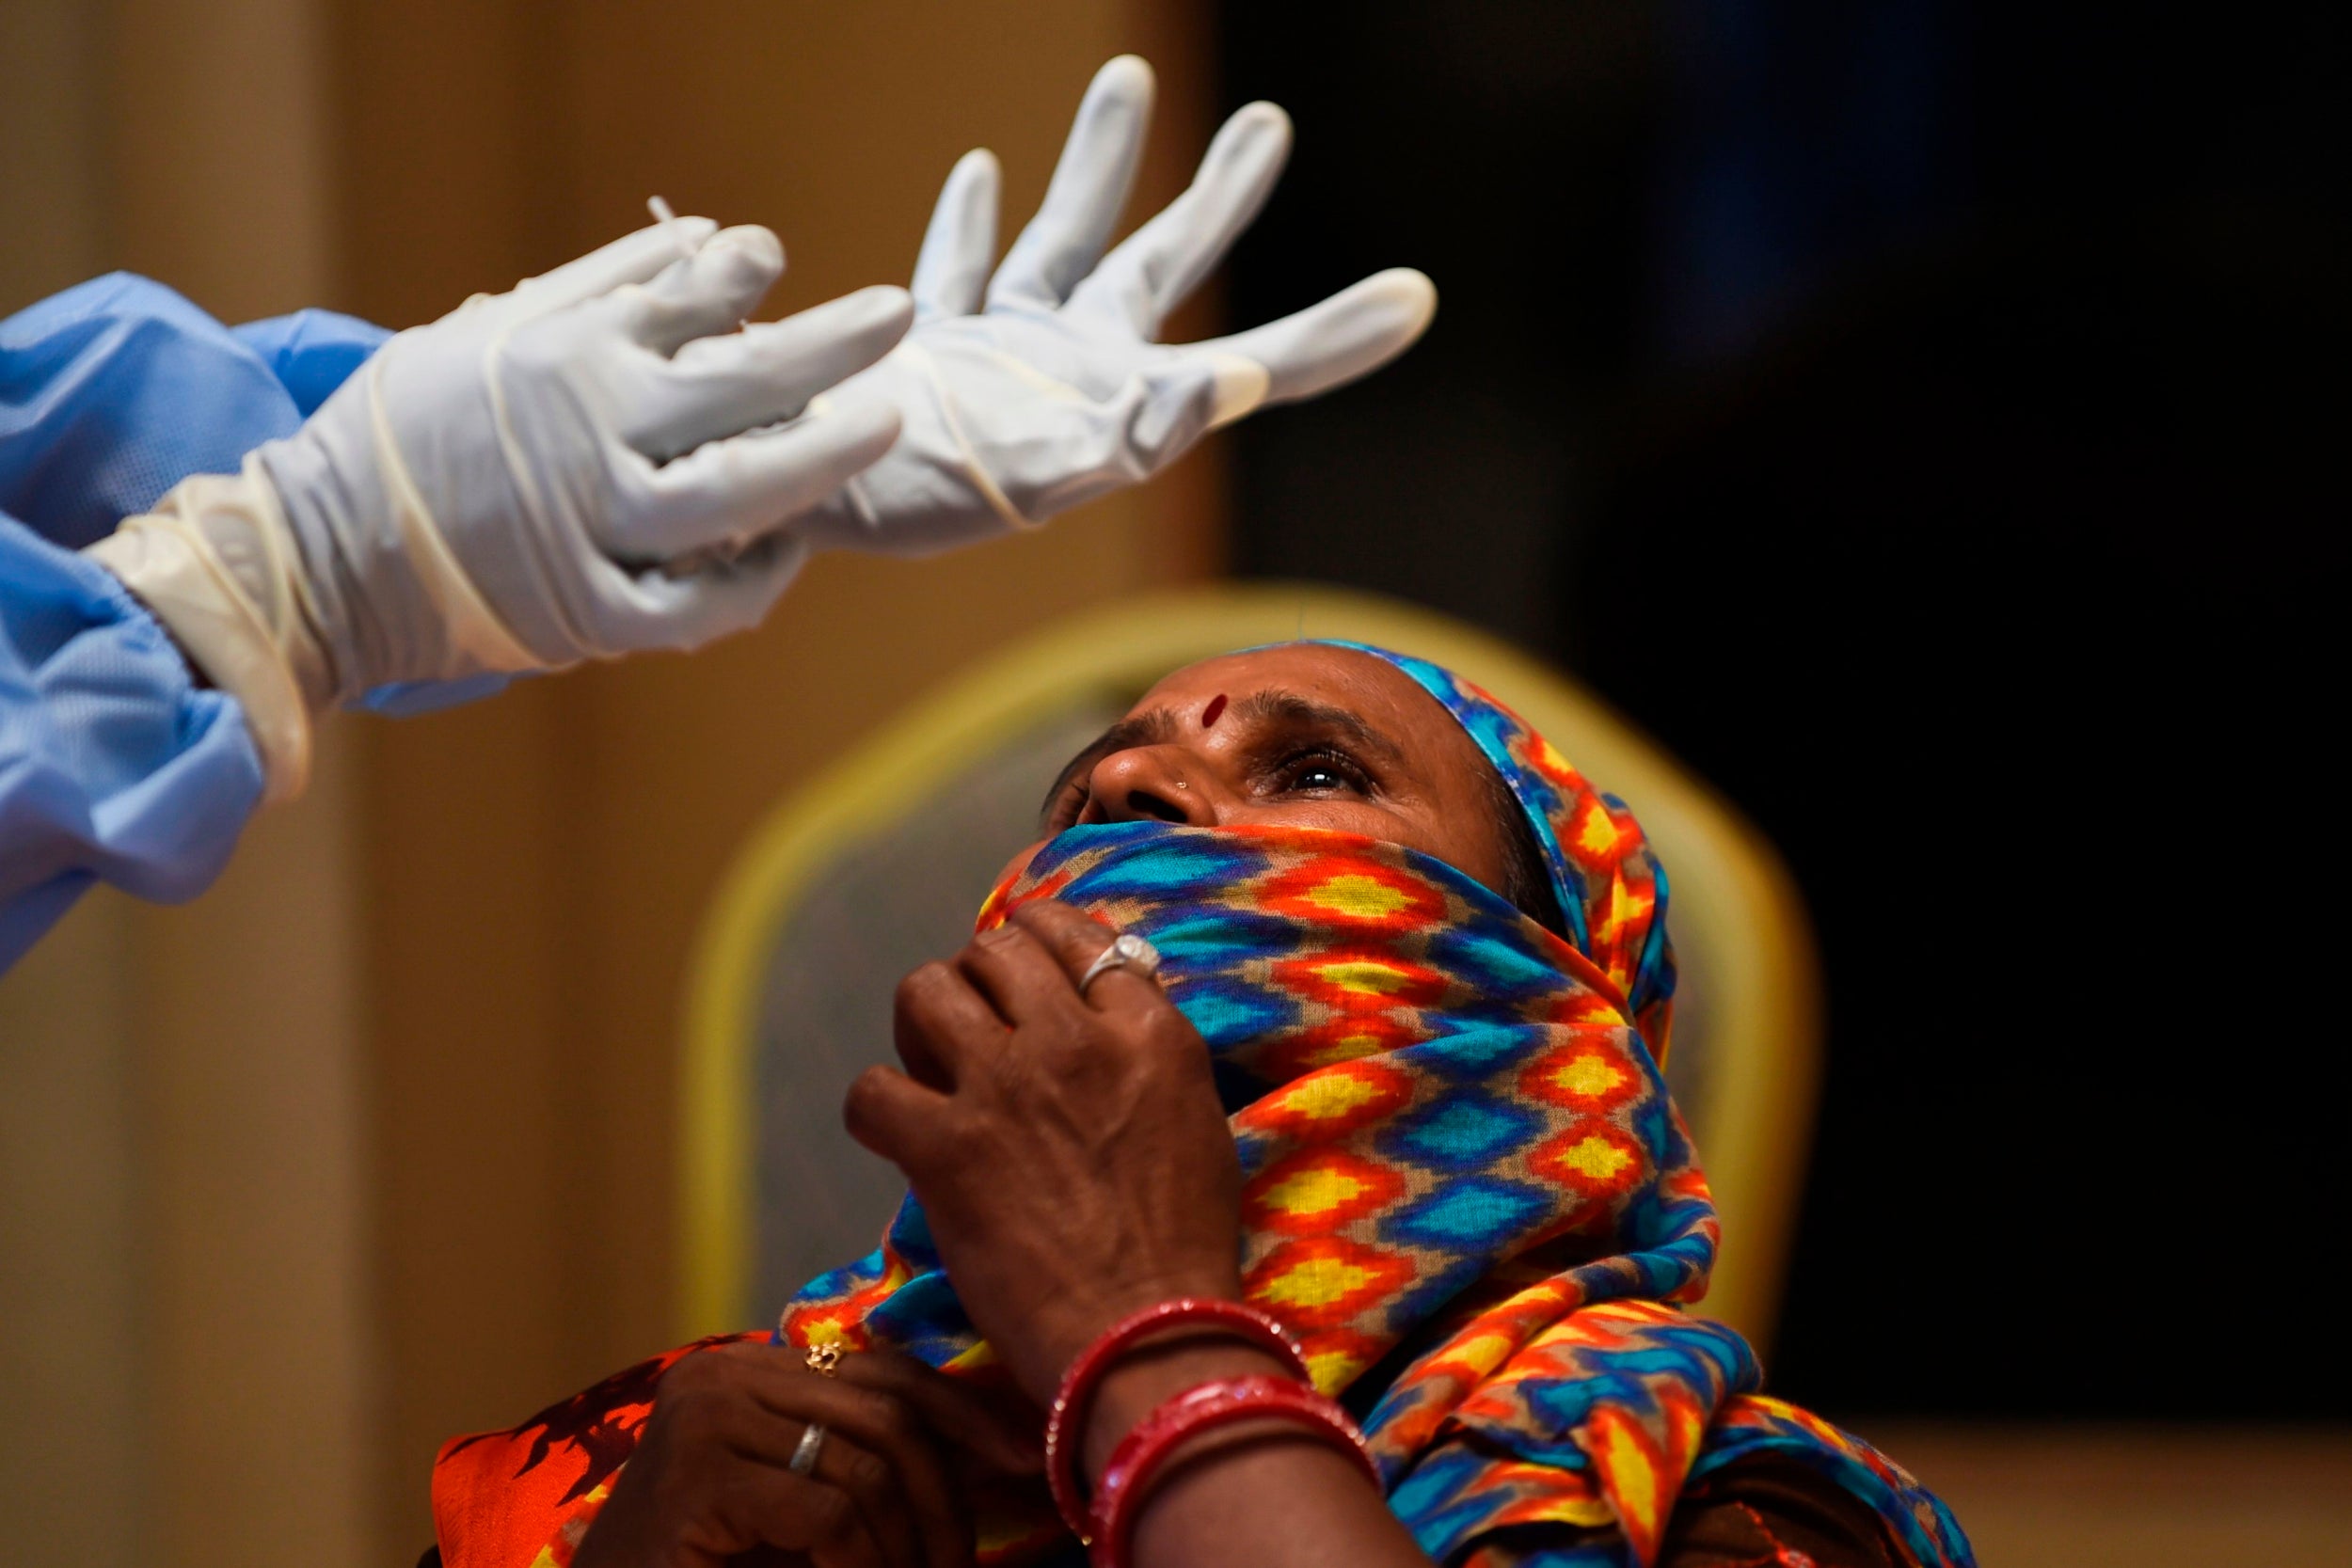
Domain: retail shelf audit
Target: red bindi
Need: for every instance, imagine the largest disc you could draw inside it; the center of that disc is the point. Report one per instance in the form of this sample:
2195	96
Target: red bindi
1213	711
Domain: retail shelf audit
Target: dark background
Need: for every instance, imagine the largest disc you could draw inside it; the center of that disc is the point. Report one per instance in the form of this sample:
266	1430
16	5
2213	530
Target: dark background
1927	421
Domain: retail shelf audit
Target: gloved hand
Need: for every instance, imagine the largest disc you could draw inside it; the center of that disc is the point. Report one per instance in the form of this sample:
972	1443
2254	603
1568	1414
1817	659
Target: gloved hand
1051	391
537	479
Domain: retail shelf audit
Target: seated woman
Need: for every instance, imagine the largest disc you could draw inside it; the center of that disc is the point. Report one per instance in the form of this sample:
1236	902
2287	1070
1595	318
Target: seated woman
1414	972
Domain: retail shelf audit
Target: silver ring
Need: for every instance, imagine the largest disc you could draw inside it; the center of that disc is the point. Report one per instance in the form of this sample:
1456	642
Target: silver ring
1127	952
804	1460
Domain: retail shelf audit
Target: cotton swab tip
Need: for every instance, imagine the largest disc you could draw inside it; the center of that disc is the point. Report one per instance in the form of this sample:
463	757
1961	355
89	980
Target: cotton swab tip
663	215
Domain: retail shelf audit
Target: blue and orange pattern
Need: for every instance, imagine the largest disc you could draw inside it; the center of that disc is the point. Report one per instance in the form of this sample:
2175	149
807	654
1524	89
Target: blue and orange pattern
1468	1191
1610	888
1452	1135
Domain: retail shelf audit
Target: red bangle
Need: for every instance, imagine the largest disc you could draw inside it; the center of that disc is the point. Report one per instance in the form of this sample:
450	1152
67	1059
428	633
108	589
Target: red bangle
1065	1426
1143	1452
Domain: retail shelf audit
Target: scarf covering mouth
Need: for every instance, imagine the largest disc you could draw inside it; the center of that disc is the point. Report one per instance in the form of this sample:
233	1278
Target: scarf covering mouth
1467	1190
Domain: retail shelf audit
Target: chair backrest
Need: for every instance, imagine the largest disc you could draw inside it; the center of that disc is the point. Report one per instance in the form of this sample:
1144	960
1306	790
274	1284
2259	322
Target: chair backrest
880	864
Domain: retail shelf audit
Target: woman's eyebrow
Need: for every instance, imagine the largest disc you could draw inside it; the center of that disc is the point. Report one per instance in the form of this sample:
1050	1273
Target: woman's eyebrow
1289	707
1147	728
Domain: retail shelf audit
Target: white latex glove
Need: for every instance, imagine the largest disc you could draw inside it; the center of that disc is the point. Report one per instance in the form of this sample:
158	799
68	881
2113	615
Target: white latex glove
1052	391
537	479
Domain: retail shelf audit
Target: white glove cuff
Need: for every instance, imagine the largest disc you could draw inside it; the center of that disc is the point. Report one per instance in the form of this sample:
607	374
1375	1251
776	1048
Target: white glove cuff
471	630
214	563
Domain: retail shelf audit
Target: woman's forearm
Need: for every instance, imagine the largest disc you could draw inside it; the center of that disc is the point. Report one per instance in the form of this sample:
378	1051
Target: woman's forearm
1262	1495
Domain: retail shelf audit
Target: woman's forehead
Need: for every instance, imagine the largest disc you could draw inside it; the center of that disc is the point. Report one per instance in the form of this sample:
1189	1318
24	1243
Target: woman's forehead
1346	676
1377	692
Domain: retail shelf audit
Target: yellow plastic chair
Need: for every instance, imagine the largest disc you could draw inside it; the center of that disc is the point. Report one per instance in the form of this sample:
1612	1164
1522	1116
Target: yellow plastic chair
880	863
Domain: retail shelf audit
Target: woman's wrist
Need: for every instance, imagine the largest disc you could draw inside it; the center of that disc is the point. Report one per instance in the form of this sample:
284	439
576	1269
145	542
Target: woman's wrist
1084	1322
1152	1374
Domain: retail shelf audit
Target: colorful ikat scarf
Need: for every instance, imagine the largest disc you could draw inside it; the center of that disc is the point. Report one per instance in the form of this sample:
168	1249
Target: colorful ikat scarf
1468	1191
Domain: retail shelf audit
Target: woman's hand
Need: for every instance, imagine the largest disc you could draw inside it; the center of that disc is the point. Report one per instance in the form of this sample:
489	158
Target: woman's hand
712	1477
1075	1166
1070	1150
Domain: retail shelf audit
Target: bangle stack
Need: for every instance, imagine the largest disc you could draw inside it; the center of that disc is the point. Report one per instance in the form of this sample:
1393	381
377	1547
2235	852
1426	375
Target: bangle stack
1106	1523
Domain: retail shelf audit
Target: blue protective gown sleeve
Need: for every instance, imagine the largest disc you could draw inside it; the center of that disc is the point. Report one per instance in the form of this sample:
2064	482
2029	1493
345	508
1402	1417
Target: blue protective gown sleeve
113	762
116	390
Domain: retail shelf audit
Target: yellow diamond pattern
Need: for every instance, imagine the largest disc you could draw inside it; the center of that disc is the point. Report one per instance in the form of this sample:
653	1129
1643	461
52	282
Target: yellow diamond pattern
1597	1158
1332	1371
1598	835
1317	1282
1312	1191
1588	1075
1332	1095
1365	977
1358	897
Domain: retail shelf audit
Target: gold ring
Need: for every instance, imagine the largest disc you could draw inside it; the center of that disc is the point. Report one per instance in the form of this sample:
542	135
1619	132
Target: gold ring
824	1360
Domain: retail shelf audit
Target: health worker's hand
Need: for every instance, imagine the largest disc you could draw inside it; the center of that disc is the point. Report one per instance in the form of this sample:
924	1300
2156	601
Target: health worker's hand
1069	1151
1048	388
710	1480
594	463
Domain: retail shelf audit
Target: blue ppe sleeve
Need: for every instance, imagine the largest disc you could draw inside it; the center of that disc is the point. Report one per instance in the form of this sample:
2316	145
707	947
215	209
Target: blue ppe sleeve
311	352
407	698
116	390
114	765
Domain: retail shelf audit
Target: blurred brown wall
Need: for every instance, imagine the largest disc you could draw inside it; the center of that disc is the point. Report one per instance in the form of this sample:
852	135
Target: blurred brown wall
189	1341
373	1144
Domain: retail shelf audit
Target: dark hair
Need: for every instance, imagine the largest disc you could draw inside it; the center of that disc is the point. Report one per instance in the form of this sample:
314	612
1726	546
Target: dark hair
1526	874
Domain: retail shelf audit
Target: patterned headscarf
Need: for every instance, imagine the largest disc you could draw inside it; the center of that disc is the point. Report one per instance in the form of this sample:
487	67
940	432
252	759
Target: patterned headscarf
1612	890
1467	1190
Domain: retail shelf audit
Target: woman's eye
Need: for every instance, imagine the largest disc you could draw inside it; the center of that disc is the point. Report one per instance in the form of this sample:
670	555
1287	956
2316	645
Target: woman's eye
1320	773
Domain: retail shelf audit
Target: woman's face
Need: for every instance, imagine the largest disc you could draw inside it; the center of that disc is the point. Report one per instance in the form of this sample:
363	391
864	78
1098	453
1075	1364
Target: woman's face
1300	736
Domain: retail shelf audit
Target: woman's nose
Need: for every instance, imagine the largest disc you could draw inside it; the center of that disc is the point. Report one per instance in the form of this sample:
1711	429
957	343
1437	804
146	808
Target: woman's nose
1151	782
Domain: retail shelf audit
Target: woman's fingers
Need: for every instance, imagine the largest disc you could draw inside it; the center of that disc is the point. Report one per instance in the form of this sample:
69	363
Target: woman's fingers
875	1448
939	1020
841	1511
894	1116
796	1513
1073	941
875	1486
888	1460
844	1538
713	1477
1019	973
1077	1166
906	1479
988	1428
